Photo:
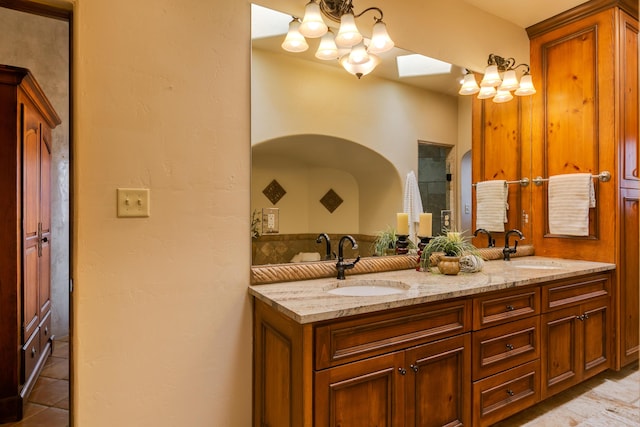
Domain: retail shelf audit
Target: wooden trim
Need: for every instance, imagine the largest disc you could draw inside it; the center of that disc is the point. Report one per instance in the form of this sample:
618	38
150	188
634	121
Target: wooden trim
580	12
62	10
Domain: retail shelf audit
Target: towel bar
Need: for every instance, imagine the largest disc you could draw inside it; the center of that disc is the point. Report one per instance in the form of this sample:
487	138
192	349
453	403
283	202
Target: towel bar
604	176
523	182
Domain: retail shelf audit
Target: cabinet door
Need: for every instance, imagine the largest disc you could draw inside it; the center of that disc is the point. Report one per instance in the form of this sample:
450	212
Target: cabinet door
361	394
438	386
31	220
629	295
44	259
596	350
560	350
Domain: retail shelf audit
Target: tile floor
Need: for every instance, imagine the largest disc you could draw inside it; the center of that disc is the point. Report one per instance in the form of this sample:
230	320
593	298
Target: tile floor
48	404
611	399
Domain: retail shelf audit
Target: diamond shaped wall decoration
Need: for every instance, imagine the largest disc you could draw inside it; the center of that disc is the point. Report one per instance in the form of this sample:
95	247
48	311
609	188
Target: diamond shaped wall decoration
331	200
274	191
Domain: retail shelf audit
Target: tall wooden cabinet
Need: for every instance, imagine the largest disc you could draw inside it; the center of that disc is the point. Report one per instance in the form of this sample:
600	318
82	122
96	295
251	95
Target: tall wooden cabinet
584	63
26	121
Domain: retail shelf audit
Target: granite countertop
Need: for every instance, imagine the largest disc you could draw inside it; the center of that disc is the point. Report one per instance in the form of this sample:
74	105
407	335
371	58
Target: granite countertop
308	301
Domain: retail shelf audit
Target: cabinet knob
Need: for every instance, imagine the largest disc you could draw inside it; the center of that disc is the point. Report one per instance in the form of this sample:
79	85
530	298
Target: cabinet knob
585	316
33	352
510	392
415	368
402	371
46	330
510	346
510	308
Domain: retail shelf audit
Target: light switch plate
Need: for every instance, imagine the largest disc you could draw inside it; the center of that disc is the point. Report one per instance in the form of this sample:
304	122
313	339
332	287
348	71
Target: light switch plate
133	202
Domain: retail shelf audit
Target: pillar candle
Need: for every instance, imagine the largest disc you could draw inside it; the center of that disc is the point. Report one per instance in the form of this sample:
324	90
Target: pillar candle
426	225
403	224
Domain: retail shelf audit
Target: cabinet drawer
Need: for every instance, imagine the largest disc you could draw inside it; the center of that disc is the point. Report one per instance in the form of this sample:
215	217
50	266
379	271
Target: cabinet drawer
503	347
504	307
45	331
30	355
502	395
572	292
346	341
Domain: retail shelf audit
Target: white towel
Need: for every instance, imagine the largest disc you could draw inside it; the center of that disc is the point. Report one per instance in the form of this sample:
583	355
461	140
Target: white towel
492	204
412	202
570	197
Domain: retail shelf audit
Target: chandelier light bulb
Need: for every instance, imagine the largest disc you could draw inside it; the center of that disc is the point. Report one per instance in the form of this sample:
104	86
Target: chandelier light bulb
487	92
380	40
358	54
360	70
469	85
491	77
526	86
502	96
327	50
312	25
509	81
294	42
348	34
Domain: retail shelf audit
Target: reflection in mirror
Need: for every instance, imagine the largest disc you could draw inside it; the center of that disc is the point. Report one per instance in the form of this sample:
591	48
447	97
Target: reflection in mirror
338	148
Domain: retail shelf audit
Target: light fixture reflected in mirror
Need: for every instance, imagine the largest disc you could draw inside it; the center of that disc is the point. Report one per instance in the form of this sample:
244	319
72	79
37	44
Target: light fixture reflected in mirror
356	54
498	87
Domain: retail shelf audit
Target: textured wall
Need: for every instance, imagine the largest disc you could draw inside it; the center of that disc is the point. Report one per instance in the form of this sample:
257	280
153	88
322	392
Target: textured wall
42	45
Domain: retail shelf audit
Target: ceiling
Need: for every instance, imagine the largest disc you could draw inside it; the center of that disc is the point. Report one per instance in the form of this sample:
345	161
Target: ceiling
523	13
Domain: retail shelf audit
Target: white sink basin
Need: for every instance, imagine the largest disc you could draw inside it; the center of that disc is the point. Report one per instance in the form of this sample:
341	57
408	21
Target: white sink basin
367	288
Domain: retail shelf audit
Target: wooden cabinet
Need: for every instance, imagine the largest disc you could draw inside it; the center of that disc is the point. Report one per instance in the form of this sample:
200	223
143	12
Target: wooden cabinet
576	338
466	361
585	119
26	120
392	368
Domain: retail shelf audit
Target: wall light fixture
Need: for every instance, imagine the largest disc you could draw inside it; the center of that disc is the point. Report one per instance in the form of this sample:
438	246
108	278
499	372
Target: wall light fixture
498	87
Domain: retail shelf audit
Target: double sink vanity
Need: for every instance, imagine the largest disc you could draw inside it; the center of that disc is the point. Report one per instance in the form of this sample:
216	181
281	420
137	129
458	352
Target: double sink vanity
404	347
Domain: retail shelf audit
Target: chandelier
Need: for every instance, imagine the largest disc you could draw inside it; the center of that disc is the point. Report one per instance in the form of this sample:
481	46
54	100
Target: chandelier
356	54
498	87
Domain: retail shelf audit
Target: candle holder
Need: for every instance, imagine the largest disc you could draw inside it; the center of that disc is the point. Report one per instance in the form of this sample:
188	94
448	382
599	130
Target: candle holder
423	242
402	244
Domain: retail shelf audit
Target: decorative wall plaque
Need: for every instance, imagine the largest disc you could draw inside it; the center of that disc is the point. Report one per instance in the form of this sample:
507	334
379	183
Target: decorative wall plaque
331	200
274	191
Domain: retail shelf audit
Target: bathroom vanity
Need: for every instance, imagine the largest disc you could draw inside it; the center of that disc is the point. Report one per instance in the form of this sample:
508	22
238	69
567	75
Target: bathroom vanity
431	350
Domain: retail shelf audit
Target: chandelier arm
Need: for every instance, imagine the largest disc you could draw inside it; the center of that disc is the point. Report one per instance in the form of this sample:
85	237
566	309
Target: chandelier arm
526	71
377	9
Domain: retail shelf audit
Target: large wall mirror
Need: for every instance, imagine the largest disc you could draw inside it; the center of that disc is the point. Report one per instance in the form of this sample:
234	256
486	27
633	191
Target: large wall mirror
331	152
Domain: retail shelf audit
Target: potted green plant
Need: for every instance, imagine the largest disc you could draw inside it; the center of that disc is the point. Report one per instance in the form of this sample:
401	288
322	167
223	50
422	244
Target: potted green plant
446	250
385	243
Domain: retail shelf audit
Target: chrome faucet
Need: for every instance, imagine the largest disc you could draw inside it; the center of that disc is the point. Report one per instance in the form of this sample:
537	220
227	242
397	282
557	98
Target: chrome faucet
341	266
507	251
325	236
492	241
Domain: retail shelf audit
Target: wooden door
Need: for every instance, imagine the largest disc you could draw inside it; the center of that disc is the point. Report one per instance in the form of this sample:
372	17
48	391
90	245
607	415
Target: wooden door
560	350
595	353
438	383
30	219
362	394
44	254
629	295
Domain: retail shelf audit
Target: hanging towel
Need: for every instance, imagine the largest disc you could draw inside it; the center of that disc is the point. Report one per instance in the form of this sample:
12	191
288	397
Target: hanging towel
492	204
412	202
570	197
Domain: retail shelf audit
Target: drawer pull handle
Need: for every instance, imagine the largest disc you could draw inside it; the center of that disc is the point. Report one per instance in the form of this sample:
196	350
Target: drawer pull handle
402	371
46	330
510	392
585	316
510	308
415	368
509	346
33	352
